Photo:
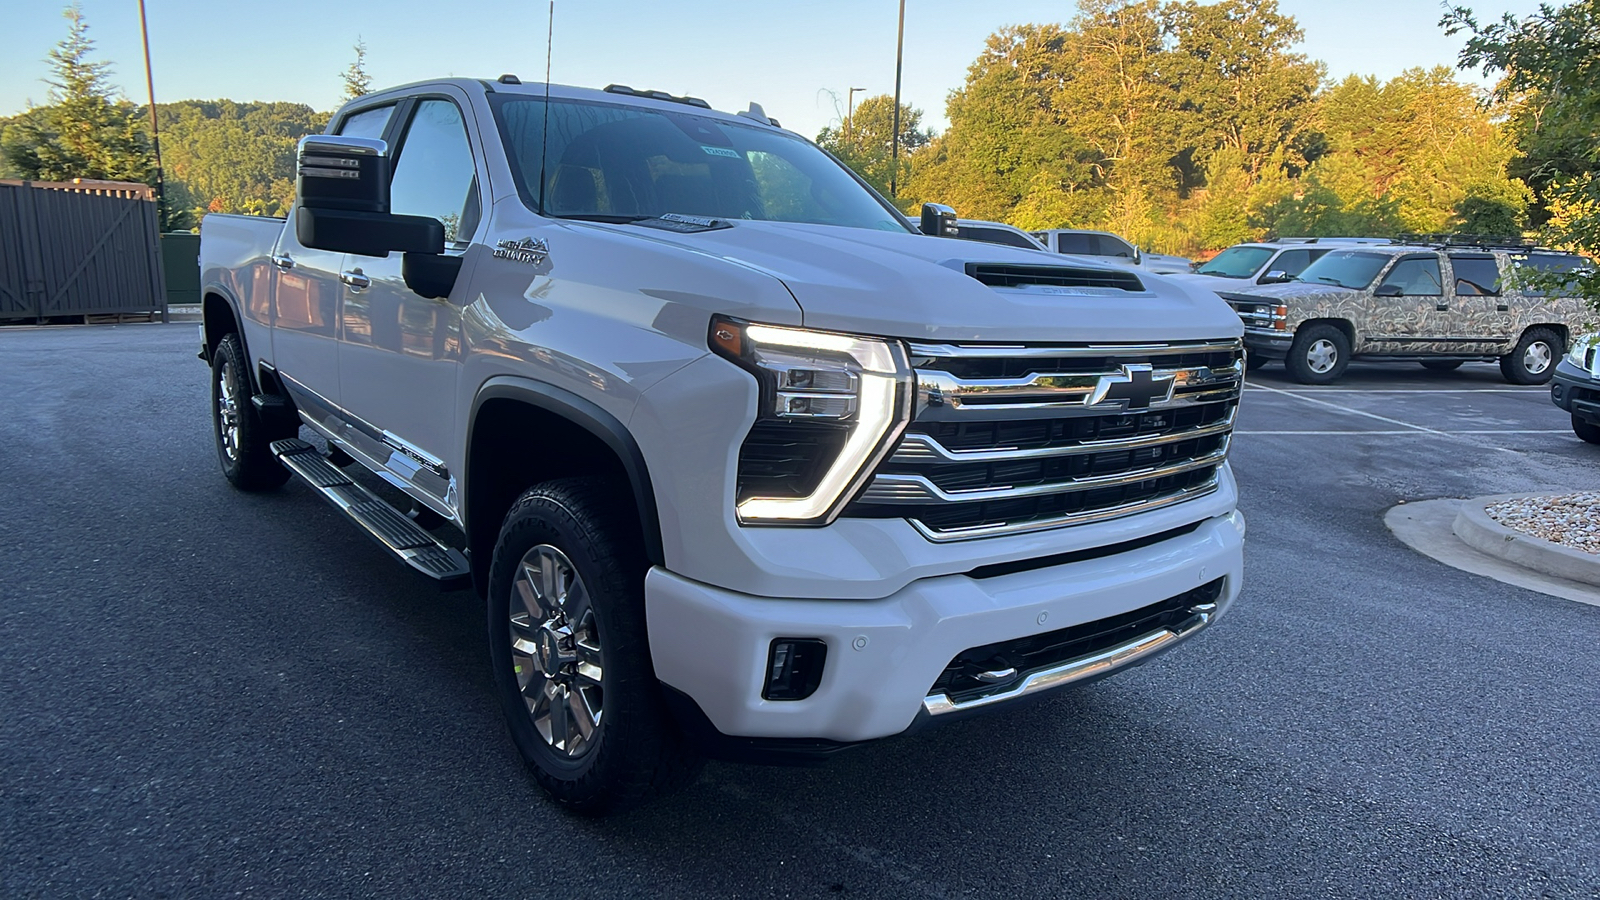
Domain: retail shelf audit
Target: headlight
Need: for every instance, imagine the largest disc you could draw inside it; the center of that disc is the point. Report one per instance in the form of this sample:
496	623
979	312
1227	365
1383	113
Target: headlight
1578	355
831	407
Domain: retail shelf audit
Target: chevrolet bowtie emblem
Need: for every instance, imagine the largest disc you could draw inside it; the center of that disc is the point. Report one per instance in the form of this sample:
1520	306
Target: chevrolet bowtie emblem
1137	384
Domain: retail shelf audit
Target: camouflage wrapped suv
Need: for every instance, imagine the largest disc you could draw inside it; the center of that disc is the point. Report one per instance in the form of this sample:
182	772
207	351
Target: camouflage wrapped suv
1440	305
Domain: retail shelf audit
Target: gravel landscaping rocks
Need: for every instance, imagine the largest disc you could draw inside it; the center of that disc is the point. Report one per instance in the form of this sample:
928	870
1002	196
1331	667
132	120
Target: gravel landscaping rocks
1571	520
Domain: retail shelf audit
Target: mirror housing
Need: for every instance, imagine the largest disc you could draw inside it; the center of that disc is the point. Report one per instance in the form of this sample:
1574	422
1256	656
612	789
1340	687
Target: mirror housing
1276	276
430	275
1389	290
342	201
939	220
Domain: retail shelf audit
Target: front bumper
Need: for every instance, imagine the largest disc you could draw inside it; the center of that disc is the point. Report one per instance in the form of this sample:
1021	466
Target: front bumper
1262	344
1576	391
883	656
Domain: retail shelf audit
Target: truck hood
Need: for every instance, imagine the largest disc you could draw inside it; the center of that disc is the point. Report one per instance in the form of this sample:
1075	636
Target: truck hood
916	287
1298	293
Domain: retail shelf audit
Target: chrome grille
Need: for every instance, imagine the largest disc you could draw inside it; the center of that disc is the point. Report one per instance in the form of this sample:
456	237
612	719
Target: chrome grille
1009	439
1256	312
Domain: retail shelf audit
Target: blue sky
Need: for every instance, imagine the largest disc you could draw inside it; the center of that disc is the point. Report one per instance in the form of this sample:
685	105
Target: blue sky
793	58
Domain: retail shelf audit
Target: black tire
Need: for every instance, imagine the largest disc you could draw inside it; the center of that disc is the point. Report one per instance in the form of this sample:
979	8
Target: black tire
1319	355
633	751
1588	431
1522	364
1441	365
248	463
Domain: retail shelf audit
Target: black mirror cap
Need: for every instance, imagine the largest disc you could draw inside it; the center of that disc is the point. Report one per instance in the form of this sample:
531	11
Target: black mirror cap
430	275
334	172
939	220
367	233
1389	290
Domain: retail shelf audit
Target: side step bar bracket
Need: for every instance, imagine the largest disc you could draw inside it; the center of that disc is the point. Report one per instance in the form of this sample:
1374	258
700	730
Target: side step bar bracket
394	531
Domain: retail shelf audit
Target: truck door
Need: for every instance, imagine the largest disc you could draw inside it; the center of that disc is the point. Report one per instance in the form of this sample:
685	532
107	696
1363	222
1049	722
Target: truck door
400	353
1480	310
1410	306
306	304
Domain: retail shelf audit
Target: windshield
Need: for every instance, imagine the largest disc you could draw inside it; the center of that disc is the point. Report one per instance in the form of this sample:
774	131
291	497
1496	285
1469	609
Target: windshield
1236	262
623	164
1345	268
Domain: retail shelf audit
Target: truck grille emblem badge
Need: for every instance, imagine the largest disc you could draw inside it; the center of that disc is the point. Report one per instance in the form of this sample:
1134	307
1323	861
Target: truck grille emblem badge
532	251
1137	384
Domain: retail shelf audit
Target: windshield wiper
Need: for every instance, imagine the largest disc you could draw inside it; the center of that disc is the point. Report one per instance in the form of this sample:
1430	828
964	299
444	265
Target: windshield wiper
1328	280
603	217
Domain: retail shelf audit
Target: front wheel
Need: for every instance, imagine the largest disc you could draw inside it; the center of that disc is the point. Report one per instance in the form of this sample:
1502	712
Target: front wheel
570	651
1587	431
1319	355
1533	361
242	438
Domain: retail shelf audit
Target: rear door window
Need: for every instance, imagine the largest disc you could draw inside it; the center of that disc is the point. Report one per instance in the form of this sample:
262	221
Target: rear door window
1476	275
1080	244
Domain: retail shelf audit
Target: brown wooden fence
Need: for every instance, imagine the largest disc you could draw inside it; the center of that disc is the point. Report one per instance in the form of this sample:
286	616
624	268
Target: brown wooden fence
70	251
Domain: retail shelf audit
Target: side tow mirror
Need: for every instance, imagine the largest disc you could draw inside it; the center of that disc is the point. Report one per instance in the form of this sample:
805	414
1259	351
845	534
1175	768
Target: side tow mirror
939	220
342	201
430	275
1389	290
1276	276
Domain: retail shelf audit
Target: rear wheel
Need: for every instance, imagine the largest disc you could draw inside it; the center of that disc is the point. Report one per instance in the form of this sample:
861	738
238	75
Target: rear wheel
1441	365
1319	355
243	439
1533	360
1588	431
569	647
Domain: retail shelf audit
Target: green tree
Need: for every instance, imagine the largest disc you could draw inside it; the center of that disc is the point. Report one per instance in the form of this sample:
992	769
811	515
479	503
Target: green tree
357	82
86	131
1550	67
867	144
223	156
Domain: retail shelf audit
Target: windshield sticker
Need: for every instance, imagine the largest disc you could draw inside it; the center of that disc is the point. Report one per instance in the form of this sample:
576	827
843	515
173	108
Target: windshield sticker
720	151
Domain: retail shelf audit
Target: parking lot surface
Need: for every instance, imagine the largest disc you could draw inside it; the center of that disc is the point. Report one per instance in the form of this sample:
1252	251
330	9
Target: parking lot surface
210	693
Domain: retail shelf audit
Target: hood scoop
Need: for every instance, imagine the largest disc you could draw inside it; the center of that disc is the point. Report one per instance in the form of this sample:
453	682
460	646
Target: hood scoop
1013	276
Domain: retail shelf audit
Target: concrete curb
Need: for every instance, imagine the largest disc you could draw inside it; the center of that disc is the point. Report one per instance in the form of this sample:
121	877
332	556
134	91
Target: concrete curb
1482	533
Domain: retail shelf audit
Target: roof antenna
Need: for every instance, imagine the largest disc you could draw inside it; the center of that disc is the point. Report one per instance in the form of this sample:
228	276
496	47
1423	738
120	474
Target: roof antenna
544	145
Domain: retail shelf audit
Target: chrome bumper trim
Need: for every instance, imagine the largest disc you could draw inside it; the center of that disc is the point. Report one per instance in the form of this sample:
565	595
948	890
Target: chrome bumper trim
1102	663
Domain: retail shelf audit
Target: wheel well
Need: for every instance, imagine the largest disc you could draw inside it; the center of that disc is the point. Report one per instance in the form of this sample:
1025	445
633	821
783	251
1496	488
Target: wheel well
219	320
515	445
1560	330
1343	325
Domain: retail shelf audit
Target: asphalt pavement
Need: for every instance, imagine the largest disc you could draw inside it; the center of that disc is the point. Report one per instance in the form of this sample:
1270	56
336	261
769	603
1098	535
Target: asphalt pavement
206	693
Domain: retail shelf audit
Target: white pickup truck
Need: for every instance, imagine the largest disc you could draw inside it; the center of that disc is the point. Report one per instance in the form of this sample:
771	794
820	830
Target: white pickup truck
742	462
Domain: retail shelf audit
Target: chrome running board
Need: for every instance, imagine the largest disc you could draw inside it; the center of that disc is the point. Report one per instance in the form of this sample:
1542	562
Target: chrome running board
394	531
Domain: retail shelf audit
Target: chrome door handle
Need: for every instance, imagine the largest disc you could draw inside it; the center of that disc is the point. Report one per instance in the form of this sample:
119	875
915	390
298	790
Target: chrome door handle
355	279
282	262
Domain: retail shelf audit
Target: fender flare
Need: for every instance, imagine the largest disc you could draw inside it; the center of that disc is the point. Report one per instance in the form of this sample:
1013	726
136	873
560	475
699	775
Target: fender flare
591	418
232	302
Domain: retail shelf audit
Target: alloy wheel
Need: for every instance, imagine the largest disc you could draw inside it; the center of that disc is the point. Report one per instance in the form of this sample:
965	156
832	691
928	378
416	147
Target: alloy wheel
227	411
1321	356
1536	358
555	651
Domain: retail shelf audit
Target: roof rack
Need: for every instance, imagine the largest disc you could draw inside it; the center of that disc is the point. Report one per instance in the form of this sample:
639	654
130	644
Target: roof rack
1326	240
1474	242
655	95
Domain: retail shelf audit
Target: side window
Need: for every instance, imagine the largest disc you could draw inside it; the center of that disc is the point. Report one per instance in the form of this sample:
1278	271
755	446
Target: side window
1417	276
1291	262
1075	243
1476	276
1110	246
368	123
434	175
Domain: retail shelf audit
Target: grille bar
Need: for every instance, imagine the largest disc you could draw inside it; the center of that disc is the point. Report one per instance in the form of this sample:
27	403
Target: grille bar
1045	351
917	448
919	489
1052	390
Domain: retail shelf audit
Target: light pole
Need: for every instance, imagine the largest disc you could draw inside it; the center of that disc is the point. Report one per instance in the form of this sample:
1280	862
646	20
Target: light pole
849	111
155	138
894	152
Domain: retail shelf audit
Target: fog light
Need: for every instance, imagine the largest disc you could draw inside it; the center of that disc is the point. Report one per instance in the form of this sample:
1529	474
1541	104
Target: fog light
794	668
